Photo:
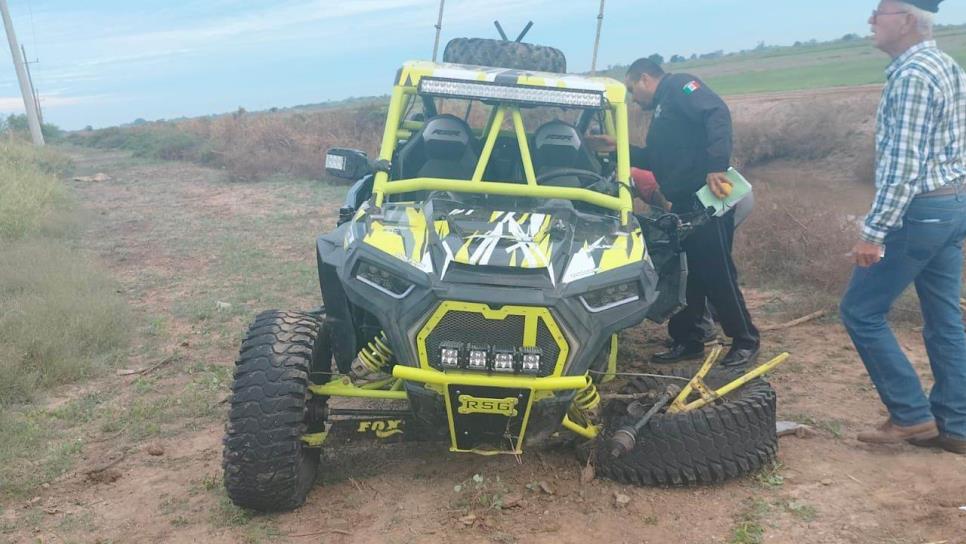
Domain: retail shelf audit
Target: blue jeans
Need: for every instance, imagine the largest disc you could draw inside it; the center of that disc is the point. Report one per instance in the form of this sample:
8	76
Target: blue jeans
927	251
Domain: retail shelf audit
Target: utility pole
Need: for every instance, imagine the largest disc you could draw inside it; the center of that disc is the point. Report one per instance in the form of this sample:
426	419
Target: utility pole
600	23
30	79
439	28
30	106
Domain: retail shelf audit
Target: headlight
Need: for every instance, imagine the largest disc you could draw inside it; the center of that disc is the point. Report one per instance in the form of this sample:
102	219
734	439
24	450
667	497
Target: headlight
456	355
611	297
383	280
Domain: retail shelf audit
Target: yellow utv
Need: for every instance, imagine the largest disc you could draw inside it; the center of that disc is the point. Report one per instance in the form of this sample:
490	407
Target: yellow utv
483	267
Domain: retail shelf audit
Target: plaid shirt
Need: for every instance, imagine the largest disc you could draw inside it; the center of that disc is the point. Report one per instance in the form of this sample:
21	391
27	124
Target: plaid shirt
919	134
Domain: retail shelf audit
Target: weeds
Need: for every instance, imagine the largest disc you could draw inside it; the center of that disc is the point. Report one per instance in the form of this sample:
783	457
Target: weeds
802	511
771	476
28	190
38	445
478	491
789	242
748	528
60	317
250	146
831	426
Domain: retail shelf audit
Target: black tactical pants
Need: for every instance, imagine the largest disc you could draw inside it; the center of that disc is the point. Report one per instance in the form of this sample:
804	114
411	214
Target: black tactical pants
712	277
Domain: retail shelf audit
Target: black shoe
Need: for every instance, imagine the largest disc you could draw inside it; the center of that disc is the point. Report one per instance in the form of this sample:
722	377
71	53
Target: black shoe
678	352
739	358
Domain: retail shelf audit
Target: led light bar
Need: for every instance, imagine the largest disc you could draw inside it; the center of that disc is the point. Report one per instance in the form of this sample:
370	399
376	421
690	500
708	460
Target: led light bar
530	360
456	355
449	354
503	360
485	90
477	357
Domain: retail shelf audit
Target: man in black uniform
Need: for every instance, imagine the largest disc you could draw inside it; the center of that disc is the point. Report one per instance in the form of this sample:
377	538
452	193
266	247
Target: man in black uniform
688	145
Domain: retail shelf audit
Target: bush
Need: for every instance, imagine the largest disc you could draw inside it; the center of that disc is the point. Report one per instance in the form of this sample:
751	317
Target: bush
797	238
28	188
803	130
16	126
250	146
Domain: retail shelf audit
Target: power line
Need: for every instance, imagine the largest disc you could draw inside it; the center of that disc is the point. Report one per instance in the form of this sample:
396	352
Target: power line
30	79
30	105
439	28
600	23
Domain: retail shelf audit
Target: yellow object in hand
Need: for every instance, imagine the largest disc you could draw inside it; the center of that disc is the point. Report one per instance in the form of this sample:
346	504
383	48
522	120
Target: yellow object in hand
726	189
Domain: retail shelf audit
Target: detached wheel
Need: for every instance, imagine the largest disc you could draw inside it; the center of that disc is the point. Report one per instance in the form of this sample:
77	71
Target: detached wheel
505	54
266	465
715	443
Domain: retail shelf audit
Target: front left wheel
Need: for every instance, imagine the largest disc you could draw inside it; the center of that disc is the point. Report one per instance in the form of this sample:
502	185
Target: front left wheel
267	466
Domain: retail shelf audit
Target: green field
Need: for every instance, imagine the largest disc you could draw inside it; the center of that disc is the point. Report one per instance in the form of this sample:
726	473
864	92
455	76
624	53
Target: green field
830	64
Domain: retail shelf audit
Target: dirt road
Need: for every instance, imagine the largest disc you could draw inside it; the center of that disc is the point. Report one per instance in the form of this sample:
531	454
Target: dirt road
198	256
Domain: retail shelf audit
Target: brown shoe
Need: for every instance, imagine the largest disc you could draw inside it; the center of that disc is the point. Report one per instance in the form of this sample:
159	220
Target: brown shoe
944	441
890	433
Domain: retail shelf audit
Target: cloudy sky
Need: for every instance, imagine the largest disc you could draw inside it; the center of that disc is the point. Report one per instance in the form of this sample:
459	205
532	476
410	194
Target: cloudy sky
105	62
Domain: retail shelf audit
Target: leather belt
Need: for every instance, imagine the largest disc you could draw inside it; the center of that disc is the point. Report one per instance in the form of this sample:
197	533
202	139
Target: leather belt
945	190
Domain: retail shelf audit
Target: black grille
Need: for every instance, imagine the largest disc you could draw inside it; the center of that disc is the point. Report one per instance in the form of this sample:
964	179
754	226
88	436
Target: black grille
474	328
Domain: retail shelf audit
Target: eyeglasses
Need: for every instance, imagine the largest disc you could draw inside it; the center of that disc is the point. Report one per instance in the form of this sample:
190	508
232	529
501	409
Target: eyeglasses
876	13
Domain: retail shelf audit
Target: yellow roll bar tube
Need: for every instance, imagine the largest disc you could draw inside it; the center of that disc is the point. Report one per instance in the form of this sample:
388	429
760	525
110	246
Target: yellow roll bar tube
435	377
488	146
524	147
505	189
396	127
393	120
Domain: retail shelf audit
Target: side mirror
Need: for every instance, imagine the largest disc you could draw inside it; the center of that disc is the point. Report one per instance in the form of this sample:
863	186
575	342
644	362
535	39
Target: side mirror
347	163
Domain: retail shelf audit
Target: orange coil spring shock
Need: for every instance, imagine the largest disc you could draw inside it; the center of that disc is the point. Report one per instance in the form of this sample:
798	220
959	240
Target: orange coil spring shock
377	355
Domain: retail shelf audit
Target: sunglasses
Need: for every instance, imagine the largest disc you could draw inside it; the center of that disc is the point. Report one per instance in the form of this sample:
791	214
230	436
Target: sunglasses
876	13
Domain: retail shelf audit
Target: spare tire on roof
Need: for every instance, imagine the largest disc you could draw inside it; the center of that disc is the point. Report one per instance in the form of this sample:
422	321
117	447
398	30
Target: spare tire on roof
505	54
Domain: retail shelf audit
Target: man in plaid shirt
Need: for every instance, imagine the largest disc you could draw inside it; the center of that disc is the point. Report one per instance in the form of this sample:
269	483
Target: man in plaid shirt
914	232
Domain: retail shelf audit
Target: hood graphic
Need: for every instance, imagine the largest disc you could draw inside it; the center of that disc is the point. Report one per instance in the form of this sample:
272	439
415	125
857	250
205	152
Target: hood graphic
581	245
508	239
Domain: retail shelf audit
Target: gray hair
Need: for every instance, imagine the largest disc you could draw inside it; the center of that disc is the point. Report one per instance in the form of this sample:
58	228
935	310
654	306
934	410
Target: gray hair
924	19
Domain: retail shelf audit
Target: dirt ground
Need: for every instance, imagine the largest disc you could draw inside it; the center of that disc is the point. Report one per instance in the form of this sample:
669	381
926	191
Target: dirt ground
197	257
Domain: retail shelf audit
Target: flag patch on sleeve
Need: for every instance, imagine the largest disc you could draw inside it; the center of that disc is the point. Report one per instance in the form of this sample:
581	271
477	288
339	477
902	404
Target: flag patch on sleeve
691	87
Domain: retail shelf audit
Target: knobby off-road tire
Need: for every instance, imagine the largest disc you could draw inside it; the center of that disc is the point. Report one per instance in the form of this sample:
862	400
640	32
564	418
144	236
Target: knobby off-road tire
503	54
734	437
267	467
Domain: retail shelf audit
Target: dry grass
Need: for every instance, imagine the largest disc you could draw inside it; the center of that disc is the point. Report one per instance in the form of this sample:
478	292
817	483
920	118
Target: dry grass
251	146
60	318
28	188
804	131
795	242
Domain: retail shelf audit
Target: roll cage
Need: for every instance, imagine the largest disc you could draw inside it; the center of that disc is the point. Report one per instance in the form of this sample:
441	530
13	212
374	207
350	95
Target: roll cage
506	93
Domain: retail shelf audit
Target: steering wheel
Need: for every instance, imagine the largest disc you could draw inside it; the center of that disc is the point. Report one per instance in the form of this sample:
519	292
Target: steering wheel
586	178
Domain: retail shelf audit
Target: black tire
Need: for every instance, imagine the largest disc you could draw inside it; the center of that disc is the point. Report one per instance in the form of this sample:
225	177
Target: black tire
718	442
504	54
266	465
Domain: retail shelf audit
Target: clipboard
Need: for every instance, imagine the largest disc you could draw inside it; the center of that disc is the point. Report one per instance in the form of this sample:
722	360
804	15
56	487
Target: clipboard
740	188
